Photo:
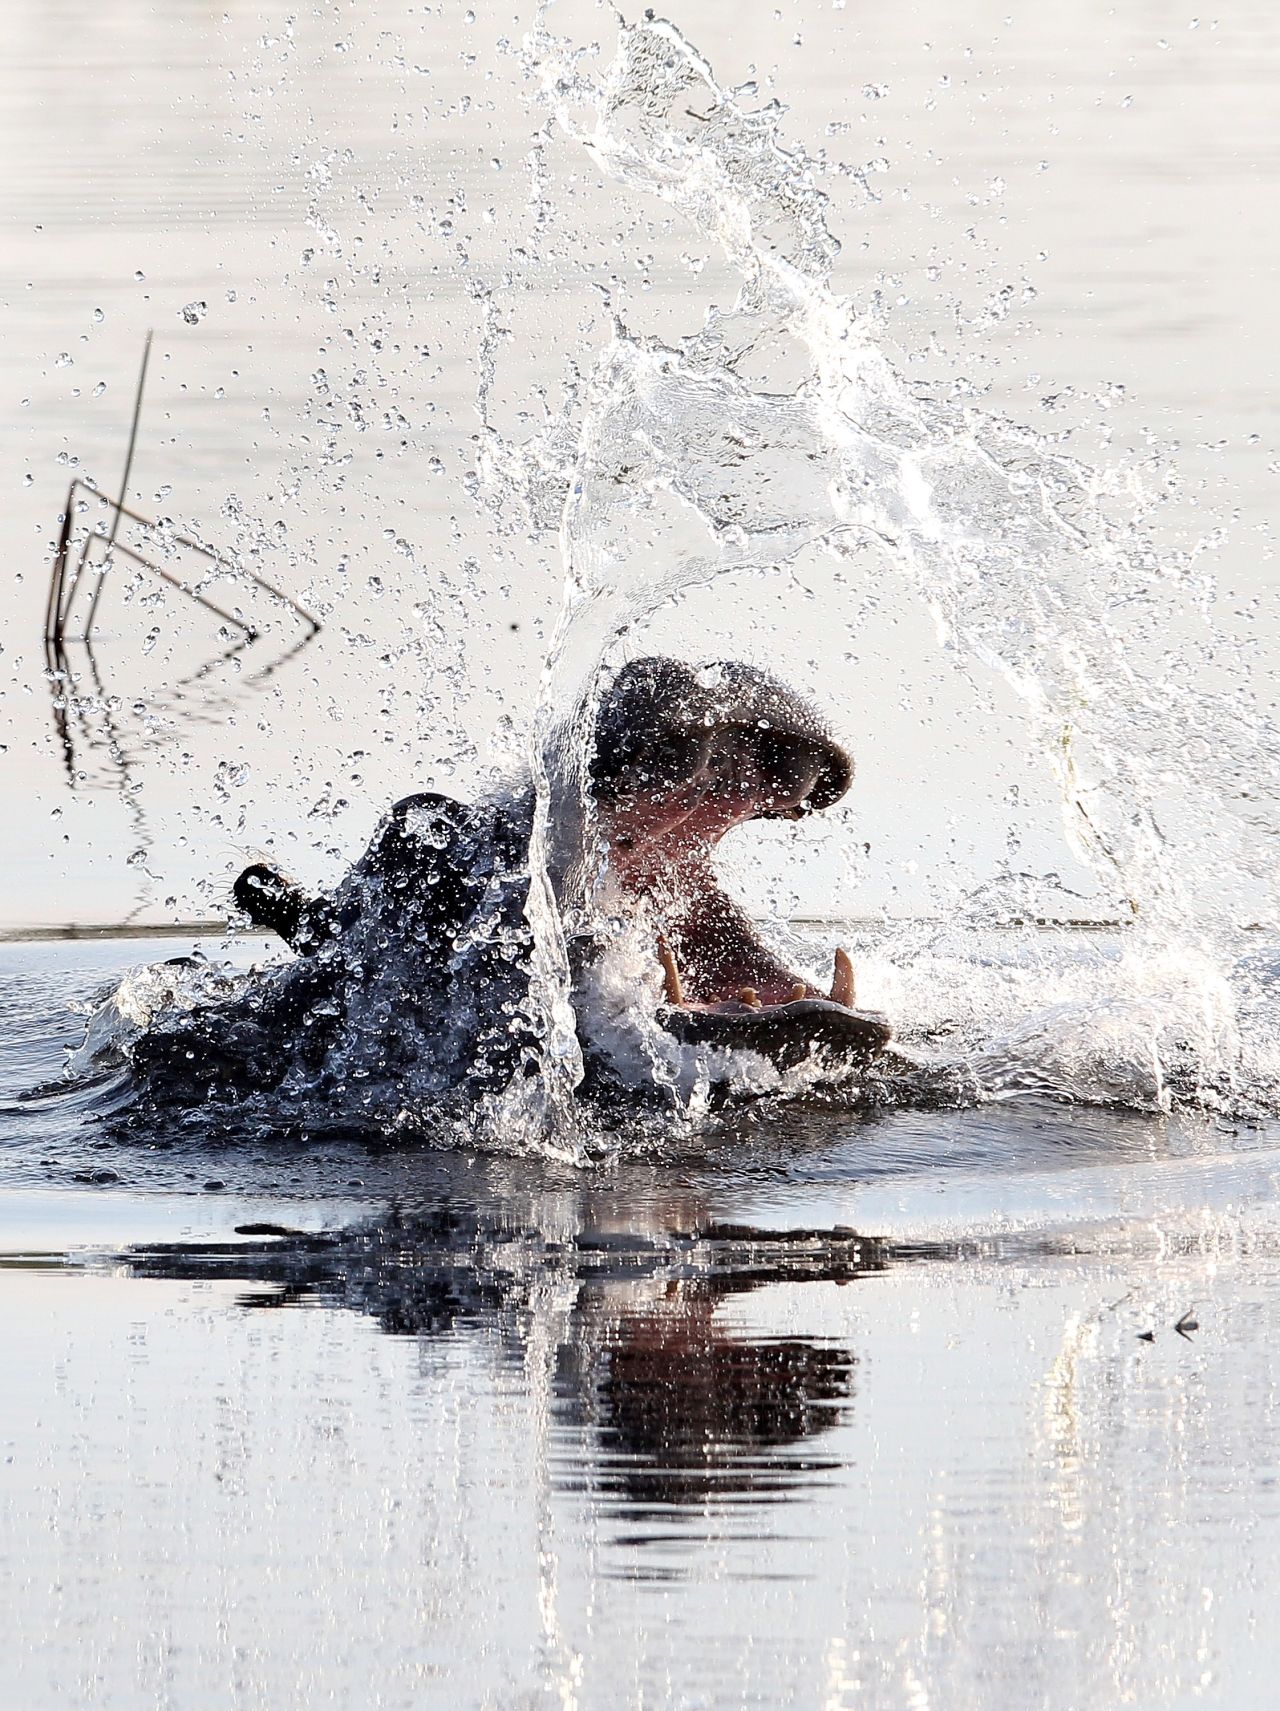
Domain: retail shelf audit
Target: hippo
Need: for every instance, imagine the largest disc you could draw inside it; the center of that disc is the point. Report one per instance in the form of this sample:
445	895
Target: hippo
416	969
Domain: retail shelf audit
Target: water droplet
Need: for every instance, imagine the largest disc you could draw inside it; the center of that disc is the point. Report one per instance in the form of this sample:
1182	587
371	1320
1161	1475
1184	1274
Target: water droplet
194	313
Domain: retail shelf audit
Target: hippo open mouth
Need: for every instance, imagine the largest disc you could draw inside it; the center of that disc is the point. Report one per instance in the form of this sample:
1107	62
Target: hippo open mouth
423	954
681	757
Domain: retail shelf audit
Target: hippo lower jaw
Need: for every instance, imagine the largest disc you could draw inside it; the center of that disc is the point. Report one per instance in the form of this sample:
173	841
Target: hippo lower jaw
756	1005
785	1034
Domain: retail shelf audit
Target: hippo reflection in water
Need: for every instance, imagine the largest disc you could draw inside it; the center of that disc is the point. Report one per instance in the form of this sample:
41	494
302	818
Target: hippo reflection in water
415	971
678	1403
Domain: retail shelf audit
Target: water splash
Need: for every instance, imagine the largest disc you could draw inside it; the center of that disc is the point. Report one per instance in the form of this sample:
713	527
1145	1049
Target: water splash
1033	564
777	428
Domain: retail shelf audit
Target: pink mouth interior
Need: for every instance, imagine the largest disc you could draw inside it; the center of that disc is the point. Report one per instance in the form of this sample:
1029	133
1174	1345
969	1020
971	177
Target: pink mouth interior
660	850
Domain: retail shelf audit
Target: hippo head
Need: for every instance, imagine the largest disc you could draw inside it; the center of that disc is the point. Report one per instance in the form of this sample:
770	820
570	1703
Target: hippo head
434	912
682	755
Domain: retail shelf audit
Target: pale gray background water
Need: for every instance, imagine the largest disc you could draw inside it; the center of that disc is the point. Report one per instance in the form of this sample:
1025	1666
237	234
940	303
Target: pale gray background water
1005	1497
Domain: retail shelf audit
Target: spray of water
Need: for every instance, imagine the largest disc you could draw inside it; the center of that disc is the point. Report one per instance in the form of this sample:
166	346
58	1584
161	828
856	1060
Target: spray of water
775	428
1032	564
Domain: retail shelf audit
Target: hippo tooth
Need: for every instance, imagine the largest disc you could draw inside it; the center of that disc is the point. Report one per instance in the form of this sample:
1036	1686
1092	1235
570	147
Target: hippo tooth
842	989
750	997
799	990
672	987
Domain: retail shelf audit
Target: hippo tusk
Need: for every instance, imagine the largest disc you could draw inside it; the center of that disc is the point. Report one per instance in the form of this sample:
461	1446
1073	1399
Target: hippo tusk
672	987
842	987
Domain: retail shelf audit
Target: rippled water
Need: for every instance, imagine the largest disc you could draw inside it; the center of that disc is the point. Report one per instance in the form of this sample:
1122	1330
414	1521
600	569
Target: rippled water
828	1409
812	1406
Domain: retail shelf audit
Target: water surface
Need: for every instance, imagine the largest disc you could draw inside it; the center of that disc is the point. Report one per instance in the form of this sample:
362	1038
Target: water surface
841	1410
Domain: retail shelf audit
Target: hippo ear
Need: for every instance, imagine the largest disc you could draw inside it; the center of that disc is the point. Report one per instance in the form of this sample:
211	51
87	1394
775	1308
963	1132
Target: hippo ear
276	903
